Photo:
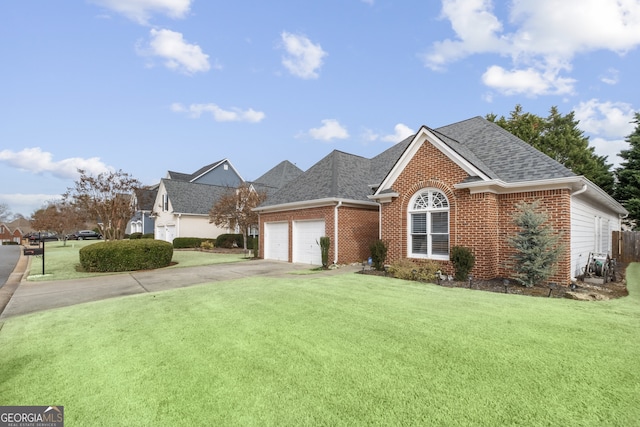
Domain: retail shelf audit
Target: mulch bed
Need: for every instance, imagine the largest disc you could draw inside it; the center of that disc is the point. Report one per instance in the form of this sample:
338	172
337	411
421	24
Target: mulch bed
588	290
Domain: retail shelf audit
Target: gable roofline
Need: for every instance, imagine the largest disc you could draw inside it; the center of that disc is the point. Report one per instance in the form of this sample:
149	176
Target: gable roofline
206	169
423	135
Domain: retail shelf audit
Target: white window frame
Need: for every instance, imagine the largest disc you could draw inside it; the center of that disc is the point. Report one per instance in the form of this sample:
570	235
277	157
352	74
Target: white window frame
431	200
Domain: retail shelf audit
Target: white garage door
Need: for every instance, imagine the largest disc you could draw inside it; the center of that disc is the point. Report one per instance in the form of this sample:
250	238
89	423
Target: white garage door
276	241
306	238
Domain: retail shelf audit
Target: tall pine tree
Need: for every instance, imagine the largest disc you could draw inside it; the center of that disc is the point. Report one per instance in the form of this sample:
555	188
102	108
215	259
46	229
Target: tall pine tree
628	176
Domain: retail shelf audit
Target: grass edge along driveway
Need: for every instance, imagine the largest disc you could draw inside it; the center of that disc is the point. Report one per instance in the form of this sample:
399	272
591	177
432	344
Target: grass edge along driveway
330	350
62	260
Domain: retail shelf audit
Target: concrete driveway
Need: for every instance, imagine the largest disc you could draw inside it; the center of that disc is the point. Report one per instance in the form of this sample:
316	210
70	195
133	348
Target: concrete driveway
30	297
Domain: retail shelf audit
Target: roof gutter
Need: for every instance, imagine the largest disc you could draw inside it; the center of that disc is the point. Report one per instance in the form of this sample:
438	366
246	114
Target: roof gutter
306	204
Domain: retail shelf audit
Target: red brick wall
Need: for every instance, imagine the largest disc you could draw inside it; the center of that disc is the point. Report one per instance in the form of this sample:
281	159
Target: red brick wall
556	204
478	221
358	228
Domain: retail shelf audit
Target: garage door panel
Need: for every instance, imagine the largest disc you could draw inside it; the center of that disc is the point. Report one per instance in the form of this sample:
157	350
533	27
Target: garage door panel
306	238
276	241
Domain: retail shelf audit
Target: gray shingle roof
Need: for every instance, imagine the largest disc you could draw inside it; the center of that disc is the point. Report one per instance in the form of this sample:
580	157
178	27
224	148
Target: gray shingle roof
276	177
192	198
498	153
339	174
491	149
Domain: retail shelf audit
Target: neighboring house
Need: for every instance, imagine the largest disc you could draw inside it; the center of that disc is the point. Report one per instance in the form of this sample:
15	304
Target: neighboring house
142	221
457	185
183	201
9	235
21	224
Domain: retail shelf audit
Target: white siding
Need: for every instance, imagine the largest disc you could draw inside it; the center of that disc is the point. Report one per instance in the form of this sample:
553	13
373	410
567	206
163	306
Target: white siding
591	230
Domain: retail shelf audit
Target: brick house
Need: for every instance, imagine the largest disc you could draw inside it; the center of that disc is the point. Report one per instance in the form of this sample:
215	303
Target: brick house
7	235
457	185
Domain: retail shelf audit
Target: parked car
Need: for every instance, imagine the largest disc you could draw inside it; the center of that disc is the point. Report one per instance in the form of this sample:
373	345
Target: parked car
84	234
34	238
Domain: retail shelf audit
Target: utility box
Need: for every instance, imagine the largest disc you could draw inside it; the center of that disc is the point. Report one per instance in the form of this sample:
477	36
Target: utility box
33	251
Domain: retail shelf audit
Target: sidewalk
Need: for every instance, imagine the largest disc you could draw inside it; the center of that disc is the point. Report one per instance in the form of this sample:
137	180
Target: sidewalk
29	297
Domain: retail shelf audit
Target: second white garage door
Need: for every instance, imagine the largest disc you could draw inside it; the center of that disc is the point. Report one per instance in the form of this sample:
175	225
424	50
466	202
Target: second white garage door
276	241
306	238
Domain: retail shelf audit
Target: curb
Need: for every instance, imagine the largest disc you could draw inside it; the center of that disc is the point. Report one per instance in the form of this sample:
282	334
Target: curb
9	288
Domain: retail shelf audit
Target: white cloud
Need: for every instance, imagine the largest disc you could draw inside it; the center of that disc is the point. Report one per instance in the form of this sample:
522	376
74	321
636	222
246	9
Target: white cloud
401	131
330	129
611	77
369	2
608	123
606	119
219	114
304	58
26	204
527	81
546	36
140	11
610	148
178	55
36	161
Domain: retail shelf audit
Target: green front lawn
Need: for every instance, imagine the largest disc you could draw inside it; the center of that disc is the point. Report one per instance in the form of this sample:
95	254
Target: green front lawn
62	260
343	349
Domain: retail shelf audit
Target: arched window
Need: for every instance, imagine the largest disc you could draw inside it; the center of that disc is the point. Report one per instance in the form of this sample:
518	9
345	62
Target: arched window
429	225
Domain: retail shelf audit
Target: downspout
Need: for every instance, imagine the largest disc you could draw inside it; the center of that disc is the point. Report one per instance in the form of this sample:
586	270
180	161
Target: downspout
178	226
580	191
379	220
335	232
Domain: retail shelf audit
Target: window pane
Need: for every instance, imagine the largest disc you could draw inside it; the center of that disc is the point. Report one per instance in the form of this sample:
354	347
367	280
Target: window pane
440	244
439	200
419	224
422	202
419	244
440	222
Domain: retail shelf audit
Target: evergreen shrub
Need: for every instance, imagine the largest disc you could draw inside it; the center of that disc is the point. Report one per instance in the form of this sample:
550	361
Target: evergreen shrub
325	243
230	241
187	242
463	261
126	255
378	253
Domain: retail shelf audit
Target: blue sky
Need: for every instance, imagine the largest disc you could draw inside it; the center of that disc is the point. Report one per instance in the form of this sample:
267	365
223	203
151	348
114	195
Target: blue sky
146	86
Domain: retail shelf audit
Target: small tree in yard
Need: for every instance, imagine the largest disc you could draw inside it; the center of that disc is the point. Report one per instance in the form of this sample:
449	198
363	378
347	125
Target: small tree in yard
537	246
60	217
106	198
235	209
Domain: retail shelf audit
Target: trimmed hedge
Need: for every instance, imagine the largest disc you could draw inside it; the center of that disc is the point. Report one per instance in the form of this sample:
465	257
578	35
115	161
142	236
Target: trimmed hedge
230	241
138	235
189	242
126	255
